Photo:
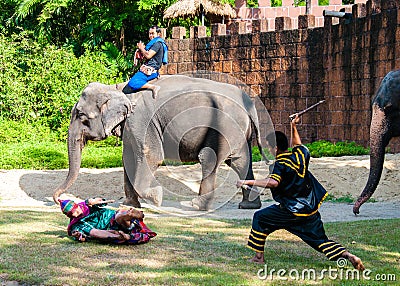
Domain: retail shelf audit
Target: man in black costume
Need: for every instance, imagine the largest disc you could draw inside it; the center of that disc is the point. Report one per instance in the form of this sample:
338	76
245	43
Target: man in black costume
299	196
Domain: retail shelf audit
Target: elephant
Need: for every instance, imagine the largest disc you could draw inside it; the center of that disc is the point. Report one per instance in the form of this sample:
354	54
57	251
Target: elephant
385	124
192	119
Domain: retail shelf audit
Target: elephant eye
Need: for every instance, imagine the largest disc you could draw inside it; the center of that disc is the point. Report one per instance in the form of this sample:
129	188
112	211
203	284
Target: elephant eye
83	118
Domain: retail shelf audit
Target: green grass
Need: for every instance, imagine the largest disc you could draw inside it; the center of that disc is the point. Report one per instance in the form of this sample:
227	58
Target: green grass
187	251
54	155
347	199
50	155
344	199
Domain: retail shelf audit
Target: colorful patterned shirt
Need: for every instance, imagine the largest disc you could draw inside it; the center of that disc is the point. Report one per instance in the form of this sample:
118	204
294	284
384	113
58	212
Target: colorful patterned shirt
99	218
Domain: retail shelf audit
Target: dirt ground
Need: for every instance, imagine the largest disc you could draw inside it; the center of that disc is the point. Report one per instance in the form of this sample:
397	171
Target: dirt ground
342	177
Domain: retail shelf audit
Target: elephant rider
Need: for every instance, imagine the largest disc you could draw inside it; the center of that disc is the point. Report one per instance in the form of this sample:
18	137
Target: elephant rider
91	219
299	195
155	54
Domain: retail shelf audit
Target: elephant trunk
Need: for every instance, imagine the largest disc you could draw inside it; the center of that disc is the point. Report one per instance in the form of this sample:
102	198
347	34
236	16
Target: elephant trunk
379	139
76	142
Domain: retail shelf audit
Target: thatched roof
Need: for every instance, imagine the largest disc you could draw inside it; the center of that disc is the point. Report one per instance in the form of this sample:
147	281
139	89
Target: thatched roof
186	8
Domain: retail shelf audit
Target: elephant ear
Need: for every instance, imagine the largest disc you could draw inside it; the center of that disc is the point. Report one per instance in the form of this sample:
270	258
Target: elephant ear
115	108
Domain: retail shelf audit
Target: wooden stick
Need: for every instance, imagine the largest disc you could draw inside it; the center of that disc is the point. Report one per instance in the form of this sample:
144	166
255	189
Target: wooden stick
104	202
300	113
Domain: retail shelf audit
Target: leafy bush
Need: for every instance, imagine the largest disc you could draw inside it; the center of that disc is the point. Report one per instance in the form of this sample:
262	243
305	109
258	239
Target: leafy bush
322	148
256	155
345	199
41	84
20	131
327	149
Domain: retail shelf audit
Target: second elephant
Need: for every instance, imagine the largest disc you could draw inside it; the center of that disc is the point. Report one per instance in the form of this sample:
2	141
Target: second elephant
385	124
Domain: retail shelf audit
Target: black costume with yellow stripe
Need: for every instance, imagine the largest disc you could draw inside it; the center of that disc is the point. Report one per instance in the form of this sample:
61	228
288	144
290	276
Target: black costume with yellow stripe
299	196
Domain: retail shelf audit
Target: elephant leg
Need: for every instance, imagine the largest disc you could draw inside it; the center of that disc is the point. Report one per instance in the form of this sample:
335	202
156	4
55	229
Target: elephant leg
209	165
139	174
132	197
242	165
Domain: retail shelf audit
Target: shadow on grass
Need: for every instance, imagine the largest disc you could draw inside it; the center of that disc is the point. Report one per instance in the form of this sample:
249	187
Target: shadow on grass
36	250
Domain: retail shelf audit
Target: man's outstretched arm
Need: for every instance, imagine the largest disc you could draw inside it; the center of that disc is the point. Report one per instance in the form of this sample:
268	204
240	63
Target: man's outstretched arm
295	134
263	183
108	234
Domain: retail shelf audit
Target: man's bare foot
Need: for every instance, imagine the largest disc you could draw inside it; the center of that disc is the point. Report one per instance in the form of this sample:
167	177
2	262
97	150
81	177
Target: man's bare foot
124	217
136	213
258	258
357	263
155	90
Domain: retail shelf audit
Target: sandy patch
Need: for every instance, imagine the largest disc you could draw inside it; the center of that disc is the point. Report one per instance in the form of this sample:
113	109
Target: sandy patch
342	176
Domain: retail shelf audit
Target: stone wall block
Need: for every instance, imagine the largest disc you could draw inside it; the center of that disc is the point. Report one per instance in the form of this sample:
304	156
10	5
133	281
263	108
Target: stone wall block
259	25
178	32
183	45
163	33
389	5
306	21
198	32
218	29
227	66
283	23
359	10
238	27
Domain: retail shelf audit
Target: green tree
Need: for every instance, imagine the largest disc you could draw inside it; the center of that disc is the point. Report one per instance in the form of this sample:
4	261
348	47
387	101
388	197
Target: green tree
113	26
41	84
88	24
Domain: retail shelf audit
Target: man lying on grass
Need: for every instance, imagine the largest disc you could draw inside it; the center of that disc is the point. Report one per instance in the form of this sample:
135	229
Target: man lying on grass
299	195
91	220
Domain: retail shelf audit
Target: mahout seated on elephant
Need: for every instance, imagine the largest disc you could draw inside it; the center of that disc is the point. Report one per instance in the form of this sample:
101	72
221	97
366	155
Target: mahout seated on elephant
192	120
90	219
154	54
385	124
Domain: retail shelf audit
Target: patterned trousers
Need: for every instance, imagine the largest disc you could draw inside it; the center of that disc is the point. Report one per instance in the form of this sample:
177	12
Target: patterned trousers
309	228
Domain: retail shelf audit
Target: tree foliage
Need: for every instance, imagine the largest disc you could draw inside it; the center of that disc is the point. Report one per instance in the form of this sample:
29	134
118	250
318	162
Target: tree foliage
51	49
41	84
112	26
85	24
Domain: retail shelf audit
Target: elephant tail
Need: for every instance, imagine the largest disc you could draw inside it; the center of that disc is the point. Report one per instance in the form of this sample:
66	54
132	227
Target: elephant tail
261	150
258	139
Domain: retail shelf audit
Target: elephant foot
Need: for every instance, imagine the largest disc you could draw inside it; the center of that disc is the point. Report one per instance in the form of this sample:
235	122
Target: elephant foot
134	202
154	195
245	204
203	202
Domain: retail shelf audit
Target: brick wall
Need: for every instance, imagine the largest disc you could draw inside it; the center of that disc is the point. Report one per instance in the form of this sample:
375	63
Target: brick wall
265	11
291	69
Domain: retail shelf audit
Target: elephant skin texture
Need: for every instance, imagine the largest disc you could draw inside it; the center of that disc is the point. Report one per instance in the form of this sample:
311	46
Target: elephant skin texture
385	124
191	120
